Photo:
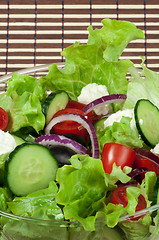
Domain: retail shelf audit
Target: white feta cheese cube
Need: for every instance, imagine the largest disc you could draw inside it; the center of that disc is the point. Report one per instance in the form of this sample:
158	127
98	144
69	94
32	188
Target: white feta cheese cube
93	91
7	142
116	117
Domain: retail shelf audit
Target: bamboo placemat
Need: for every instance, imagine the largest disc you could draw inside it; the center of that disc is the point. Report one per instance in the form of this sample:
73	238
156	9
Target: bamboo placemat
34	32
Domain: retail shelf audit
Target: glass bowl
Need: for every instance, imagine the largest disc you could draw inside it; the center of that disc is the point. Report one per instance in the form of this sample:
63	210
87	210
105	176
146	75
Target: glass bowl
18	228
14	227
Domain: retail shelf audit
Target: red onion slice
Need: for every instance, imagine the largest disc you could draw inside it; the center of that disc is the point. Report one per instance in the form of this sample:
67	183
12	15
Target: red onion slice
59	140
113	98
81	120
147	154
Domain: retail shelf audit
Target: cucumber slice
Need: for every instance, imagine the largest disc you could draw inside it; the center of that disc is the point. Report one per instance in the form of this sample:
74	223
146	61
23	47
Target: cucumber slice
147	121
99	125
30	167
53	103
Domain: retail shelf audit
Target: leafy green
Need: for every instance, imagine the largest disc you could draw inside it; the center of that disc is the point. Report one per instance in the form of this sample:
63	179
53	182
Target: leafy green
5	196
139	86
148	184
137	230
82	189
140	228
111	212
40	204
120	132
96	61
22	101
154	229
115	36
117	174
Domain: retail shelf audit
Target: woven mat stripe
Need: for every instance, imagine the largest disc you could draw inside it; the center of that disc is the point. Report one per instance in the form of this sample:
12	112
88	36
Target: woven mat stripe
38	35
62	36
35	32
145	31
7	38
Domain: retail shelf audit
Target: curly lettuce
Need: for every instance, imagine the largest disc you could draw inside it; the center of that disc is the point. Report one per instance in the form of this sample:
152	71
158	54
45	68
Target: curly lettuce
40	204
22	101
95	62
140	84
85	190
120	132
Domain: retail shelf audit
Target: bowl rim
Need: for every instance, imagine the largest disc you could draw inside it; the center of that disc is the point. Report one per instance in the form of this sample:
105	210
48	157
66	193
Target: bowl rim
11	216
40	68
65	222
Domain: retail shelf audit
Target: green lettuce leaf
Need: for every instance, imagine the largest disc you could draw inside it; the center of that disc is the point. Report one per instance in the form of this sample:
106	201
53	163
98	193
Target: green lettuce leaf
120	132
5	197
22	101
118	174
140	228
82	189
154	229
137	230
111	212
40	204
111	215
83	192
96	61
115	35
140	85
148	184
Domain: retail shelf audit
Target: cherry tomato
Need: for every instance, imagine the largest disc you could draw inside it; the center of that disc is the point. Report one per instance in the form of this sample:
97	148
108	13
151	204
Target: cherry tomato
91	116
141	162
3	119
116	153
70	126
119	196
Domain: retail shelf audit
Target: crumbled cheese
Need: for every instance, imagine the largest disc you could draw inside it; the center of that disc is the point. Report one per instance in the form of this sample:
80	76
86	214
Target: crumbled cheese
116	117
93	91
155	150
7	142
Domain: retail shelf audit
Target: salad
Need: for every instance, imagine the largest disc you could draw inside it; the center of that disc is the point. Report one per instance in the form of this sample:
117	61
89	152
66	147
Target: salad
81	143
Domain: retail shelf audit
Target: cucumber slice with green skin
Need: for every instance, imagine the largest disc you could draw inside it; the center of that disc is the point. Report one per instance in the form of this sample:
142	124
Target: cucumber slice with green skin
53	103
30	167
147	121
99	125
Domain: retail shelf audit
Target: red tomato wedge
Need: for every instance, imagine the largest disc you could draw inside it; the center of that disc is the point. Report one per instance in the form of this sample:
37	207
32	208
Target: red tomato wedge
3	119
116	153
91	116
119	196
70	126
75	104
